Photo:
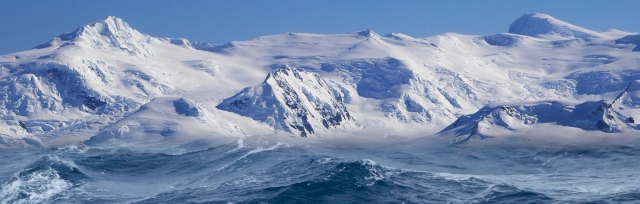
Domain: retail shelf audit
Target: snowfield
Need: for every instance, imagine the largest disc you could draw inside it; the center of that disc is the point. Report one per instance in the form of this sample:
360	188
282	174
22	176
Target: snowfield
106	82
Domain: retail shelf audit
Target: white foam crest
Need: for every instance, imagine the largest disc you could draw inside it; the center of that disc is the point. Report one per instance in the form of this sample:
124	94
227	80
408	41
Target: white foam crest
484	193
257	150
248	141
570	187
240	145
74	148
549	160
325	160
375	173
38	187
454	177
70	164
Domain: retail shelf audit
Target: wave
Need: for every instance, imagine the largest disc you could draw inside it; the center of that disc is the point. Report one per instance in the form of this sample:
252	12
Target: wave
333	180
43	181
253	170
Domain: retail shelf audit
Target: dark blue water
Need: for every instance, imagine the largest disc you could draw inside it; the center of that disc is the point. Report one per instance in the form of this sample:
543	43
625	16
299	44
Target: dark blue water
264	171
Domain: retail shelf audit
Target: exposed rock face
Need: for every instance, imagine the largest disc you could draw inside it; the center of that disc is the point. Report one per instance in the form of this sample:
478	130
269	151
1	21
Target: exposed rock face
186	107
590	115
294	101
630	39
505	40
54	87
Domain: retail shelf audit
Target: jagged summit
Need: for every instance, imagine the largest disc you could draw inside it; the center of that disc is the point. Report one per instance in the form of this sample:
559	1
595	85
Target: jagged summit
110	26
294	101
111	32
536	24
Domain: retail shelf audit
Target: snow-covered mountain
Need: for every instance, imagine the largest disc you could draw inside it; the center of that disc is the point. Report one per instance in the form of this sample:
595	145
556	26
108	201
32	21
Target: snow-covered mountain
492	119
110	33
535	24
298	102
106	77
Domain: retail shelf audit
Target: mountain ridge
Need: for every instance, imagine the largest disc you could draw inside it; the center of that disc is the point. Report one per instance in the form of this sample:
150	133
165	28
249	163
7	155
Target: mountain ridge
85	81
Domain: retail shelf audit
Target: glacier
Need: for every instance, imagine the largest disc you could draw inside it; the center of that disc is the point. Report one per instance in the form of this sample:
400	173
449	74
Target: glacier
106	82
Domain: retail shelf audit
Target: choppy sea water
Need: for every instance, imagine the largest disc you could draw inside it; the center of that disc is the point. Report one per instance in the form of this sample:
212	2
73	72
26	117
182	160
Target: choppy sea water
258	170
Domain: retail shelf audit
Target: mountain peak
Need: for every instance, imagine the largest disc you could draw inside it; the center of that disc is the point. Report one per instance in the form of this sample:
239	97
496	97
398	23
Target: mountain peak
113	22
107	27
112	18
295	101
367	33
536	24
110	27
110	32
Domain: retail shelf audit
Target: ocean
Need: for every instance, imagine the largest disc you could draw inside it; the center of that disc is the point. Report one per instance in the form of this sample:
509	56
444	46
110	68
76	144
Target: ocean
260	169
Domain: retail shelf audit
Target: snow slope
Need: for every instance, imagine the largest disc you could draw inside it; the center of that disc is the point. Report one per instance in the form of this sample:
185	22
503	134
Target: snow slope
106	75
630	39
170	120
534	24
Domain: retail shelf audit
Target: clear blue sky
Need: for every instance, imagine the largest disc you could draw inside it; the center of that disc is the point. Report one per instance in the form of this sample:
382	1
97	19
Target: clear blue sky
25	24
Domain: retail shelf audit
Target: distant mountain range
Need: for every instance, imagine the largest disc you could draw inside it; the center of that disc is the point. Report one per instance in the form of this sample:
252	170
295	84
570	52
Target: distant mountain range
106	82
